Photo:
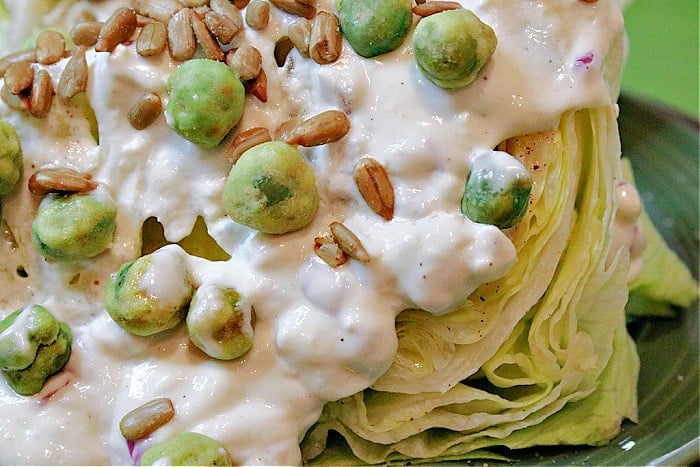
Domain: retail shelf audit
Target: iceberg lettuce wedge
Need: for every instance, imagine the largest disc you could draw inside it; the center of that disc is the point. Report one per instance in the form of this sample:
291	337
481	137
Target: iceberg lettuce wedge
540	357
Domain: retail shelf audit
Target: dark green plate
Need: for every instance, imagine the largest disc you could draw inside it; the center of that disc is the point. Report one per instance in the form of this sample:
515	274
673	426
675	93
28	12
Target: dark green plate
663	148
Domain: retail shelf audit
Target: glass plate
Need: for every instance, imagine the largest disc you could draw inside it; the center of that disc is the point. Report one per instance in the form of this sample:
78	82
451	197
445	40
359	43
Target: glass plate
663	148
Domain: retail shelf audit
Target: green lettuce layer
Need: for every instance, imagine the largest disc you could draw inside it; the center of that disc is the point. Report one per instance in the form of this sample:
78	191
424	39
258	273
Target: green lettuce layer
539	357
664	279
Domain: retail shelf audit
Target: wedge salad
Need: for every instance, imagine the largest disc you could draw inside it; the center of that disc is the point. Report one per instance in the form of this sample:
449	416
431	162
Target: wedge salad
283	232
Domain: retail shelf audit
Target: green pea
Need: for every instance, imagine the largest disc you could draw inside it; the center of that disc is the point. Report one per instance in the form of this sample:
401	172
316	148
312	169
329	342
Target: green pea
10	158
74	227
219	322
50	359
21	334
206	100
497	190
375	27
452	46
271	188
151	294
187	448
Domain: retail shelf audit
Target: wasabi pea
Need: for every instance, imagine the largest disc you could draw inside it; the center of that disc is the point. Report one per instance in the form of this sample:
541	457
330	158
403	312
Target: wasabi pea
33	347
271	188
451	47
151	294
10	158
73	227
187	448
219	322
206	100
375	27
22	333
497	190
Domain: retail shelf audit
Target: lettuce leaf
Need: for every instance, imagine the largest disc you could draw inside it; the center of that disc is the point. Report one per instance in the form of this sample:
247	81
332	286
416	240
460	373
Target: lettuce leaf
664	278
539	357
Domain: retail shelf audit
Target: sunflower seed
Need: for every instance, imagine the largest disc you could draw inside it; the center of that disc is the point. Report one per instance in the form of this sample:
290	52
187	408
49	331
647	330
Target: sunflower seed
181	38
326	127
375	187
18	77
41	97
152	39
326	42
147	418
348	242
211	48
329	251
50	47
240	4
162	10
194	3
145	110
228	9
63	180
295	7
118	28
246	140
14	101
223	28
257	15
16	57
430	8
86	33
246	61
74	77
258	86
299	33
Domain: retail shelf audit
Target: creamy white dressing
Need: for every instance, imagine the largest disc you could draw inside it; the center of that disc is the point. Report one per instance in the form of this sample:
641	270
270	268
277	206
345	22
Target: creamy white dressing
321	333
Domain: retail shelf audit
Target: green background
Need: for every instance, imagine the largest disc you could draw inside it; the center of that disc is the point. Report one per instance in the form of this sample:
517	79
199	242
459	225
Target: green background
664	50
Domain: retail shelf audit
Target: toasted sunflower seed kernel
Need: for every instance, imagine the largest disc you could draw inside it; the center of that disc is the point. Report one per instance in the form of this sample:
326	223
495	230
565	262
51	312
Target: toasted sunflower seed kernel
240	4
181	36
226	8
246	140
420	2
329	251
50	46
257	15
145	110
300	34
74	77
16	57
258	86
45	181
161	10
295	7
18	77
430	8
147	418
348	242
211	48
326	42
86	33
323	128
223	28
375	187
14	101
152	39
42	94
194	3
282	48
118	28
246	61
